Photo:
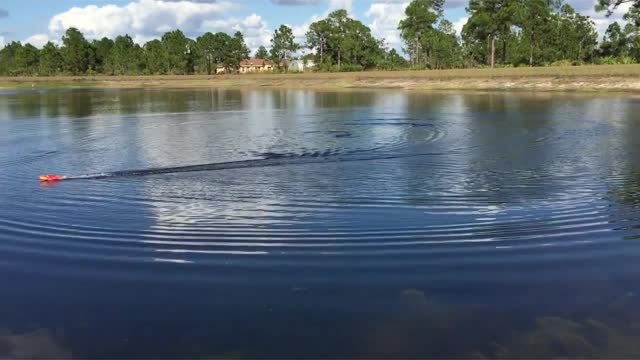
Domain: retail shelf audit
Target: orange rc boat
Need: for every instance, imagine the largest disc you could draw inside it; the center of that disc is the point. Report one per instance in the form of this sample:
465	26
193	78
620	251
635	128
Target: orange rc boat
51	177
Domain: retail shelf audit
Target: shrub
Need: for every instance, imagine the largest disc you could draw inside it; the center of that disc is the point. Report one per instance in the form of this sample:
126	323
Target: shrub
418	67
625	60
351	68
343	68
613	60
564	62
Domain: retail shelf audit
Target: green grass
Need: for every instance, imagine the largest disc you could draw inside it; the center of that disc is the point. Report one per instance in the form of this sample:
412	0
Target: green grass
591	77
48	85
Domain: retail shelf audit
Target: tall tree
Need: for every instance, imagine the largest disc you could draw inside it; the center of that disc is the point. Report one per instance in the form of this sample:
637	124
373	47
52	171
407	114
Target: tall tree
8	58
125	57
208	47
50	60
236	51
75	52
212	50
489	19
392	61
178	52
27	60
101	49
340	40
632	31
547	32
633	15
155	57
576	35
317	37
534	17
283	45
262	53
418	26
614	42
445	51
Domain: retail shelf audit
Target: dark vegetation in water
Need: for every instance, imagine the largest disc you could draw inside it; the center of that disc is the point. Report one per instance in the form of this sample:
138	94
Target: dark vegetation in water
420	325
37	344
417	326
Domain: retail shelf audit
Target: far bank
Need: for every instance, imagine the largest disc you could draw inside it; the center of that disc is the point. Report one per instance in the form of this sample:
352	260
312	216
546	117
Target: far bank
625	78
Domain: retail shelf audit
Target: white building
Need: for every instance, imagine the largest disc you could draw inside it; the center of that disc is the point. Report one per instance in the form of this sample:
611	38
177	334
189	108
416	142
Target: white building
301	65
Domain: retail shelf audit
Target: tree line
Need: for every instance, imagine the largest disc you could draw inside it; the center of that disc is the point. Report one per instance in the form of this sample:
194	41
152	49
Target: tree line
174	53
497	33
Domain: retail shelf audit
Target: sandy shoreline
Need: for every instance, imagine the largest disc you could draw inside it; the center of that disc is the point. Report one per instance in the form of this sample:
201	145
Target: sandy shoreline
619	78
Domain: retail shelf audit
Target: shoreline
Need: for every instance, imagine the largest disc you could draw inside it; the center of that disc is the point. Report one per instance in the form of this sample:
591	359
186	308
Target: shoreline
614	78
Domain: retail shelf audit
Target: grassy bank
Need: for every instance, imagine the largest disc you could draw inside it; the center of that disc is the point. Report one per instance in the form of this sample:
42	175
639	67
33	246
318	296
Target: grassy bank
575	78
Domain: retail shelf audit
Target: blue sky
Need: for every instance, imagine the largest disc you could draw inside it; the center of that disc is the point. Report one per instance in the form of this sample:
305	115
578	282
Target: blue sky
37	21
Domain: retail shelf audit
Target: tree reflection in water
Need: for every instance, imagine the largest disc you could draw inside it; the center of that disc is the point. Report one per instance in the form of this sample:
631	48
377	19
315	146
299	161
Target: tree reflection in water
38	344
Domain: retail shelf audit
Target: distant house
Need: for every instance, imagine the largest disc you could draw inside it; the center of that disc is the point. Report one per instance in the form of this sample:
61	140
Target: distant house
301	65
249	66
309	64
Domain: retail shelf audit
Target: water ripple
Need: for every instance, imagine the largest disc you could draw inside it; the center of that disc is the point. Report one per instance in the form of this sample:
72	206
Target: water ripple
277	194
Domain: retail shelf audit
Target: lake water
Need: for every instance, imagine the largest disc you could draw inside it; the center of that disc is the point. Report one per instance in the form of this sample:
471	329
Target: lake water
319	224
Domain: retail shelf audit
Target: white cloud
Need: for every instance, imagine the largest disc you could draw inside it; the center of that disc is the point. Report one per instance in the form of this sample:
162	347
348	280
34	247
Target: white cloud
256	31
385	17
253	21
300	31
1	42
37	40
143	19
459	24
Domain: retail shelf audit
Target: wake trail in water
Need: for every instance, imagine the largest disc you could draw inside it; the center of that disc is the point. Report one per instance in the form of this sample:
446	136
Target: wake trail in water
269	160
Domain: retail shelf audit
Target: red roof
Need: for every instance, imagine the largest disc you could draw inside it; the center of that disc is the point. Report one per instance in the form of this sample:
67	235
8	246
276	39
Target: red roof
255	62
